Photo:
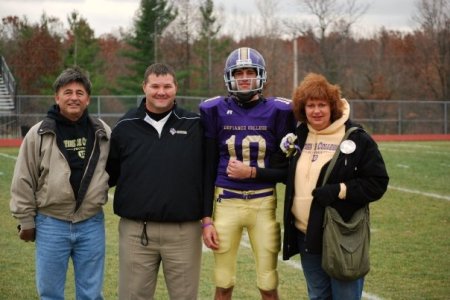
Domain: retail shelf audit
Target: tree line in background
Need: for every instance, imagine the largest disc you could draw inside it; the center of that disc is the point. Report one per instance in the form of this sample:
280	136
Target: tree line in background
188	35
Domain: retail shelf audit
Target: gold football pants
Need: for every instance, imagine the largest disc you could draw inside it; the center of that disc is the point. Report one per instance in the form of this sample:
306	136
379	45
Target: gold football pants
257	215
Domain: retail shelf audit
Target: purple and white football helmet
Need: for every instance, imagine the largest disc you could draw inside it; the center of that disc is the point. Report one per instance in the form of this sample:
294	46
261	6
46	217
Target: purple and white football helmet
244	58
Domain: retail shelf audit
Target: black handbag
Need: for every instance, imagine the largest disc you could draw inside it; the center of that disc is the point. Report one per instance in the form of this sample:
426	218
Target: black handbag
345	250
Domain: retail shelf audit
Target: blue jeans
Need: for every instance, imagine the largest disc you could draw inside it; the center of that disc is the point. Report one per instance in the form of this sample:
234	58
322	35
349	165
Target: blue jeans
56	242
320	285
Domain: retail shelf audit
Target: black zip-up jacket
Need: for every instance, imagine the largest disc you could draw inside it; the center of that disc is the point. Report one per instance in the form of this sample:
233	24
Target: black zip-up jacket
363	172
157	178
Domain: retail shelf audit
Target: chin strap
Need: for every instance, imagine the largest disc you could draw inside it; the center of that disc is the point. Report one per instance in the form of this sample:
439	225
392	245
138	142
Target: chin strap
244	97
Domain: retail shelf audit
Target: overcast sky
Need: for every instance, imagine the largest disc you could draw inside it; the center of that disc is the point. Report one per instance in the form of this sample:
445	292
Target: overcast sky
107	16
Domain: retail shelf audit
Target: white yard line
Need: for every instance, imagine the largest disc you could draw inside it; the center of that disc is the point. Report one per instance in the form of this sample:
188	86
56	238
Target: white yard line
432	195
413	148
8	156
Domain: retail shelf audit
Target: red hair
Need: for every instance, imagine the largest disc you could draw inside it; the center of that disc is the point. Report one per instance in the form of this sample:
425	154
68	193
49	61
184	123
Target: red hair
316	87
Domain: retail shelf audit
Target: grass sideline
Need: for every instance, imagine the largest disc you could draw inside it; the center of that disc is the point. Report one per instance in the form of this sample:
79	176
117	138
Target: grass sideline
409	251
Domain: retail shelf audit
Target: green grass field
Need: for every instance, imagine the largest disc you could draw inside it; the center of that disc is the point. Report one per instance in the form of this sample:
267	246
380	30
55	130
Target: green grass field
409	251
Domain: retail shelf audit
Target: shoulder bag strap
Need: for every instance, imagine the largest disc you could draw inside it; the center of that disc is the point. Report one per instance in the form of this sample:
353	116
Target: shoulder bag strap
335	156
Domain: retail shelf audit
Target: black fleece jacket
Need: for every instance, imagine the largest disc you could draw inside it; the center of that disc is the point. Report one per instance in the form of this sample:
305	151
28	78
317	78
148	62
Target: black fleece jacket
157	178
363	172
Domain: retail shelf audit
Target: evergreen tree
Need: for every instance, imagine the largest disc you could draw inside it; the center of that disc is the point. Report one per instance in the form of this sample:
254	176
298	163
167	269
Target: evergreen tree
84	51
152	18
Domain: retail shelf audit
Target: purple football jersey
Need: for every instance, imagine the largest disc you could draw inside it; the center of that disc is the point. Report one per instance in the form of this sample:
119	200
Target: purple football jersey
250	135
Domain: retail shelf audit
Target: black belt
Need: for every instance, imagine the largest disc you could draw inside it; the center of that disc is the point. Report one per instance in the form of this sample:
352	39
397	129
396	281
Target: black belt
246	195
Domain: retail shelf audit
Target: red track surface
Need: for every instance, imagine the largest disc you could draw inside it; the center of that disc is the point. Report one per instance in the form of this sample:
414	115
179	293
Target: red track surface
377	137
10	142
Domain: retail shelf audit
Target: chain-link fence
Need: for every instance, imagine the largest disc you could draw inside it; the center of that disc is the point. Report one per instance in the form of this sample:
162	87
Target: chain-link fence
377	116
402	117
32	109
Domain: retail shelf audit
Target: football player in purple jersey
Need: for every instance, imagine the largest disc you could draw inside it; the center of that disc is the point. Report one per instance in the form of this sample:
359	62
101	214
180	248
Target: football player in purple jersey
243	163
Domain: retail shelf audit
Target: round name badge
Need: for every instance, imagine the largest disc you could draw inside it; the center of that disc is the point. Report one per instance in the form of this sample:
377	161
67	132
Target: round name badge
347	146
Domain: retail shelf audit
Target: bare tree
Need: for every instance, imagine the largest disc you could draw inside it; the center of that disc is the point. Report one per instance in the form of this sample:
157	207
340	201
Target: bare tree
183	31
270	23
334	15
434	18
333	22
272	47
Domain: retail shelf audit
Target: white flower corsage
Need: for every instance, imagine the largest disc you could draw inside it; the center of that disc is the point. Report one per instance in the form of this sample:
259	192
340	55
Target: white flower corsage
288	145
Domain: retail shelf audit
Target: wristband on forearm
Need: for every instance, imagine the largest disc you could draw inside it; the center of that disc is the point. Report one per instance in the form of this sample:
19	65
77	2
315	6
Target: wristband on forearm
207	224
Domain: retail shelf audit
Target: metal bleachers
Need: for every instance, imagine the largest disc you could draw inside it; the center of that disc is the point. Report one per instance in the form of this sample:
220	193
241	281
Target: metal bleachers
6	98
